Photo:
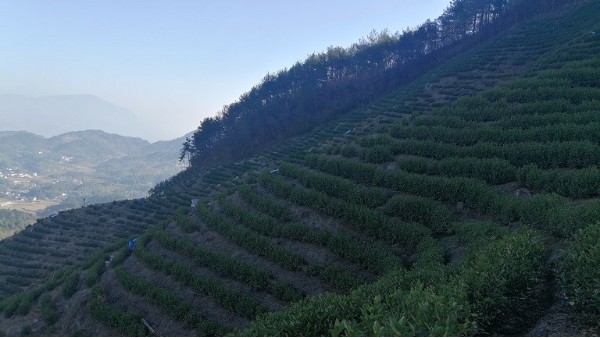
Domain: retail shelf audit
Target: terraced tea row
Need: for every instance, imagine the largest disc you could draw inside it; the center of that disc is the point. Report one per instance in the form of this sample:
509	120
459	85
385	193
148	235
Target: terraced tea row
382	223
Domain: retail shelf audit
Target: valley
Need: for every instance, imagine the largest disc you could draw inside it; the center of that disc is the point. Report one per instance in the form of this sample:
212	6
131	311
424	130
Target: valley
42	176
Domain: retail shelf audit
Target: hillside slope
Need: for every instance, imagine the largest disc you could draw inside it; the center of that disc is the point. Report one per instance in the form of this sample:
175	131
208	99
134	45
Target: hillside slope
327	85
441	209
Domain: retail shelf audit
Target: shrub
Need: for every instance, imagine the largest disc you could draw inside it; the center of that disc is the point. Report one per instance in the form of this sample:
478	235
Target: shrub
26	331
378	154
48	310
264	204
70	285
183	221
129	324
120	256
370	256
335	186
534	211
169	302
360	217
222	294
93	274
578	272
419	312
502	276
349	151
422	210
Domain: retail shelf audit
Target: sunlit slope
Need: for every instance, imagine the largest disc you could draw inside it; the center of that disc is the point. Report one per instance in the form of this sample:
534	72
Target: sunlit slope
434	215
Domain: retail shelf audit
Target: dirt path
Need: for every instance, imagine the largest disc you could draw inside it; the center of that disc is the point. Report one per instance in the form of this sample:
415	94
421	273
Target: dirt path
558	322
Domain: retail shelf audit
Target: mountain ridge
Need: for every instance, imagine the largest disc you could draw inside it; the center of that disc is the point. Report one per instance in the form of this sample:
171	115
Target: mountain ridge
58	172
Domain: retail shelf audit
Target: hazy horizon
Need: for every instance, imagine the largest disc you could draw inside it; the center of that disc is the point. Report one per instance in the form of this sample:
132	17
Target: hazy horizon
54	115
178	61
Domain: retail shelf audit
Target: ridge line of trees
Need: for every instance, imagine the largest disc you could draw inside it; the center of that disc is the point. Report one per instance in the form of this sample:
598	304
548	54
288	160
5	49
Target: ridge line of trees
325	85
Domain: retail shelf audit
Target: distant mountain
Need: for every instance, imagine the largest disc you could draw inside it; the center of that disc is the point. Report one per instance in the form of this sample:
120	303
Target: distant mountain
60	171
53	115
27	150
96	145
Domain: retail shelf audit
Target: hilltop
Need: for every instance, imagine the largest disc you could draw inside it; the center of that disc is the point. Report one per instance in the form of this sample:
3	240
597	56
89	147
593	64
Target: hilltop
464	201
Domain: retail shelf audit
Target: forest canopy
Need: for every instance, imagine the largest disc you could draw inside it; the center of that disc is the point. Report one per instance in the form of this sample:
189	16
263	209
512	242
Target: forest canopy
325	85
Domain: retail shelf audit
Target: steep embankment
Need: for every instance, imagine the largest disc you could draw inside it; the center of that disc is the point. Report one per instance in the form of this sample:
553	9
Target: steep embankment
437	214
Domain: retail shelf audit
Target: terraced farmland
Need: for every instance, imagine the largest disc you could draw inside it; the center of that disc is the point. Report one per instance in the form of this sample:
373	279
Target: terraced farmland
462	204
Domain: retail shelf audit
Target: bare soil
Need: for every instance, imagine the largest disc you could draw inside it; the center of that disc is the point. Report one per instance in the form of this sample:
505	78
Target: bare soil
559	322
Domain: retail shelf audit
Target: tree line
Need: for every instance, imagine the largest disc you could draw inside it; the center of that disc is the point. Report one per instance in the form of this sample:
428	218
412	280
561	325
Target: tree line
325	85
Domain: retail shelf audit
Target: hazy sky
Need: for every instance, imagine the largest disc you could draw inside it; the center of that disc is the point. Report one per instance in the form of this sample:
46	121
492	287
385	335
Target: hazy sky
174	62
